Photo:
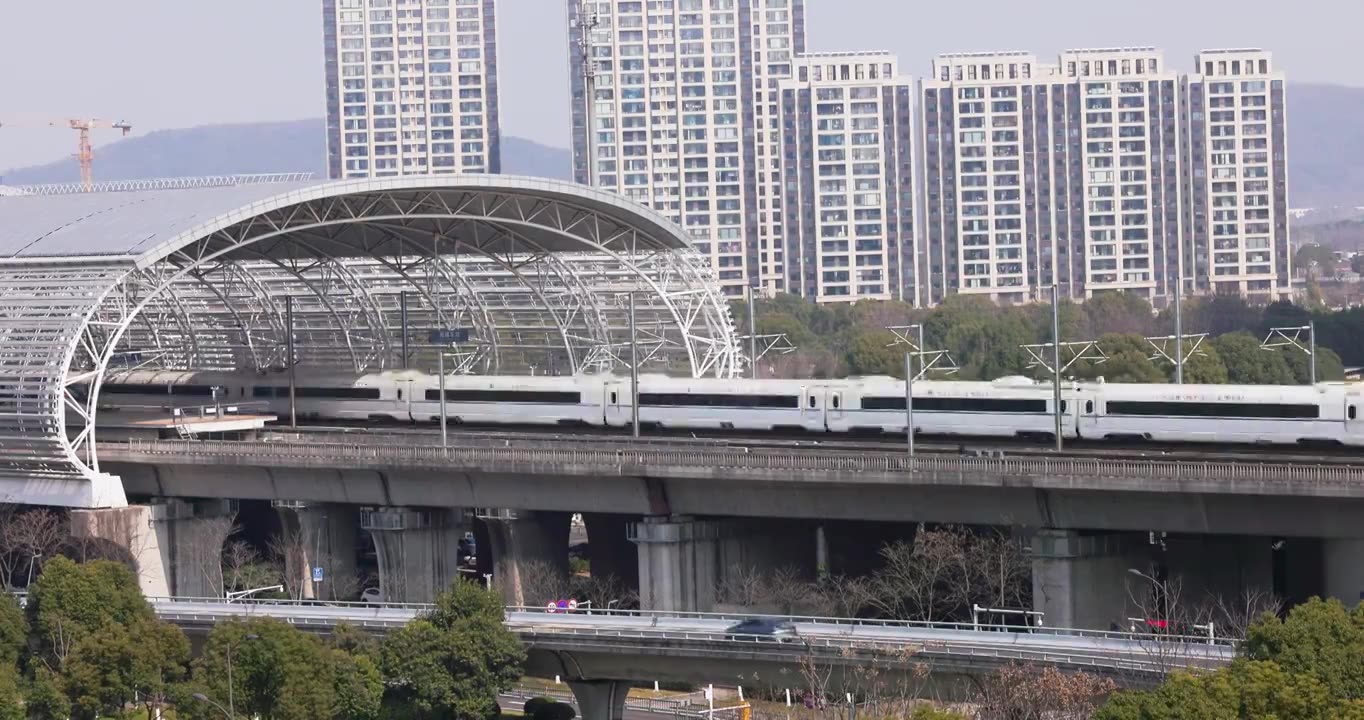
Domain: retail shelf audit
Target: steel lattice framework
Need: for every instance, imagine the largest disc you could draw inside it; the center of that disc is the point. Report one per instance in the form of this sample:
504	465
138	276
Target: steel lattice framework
539	272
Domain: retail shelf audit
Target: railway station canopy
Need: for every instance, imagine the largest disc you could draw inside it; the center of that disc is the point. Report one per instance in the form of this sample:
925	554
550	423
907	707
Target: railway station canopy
501	274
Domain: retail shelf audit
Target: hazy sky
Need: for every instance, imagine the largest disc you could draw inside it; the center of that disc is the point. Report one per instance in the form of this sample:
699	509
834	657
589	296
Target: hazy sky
178	63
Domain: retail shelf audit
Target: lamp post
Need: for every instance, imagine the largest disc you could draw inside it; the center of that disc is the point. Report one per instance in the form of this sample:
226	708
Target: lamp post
231	703
205	699
1163	597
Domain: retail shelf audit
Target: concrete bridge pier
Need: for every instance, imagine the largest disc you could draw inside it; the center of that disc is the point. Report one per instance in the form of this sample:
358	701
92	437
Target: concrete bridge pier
529	553
176	545
318	536
1343	567
417	550
1081	580
678	563
685	563
600	699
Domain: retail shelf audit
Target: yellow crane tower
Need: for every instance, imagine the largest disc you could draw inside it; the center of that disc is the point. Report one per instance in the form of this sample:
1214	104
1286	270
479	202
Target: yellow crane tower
85	153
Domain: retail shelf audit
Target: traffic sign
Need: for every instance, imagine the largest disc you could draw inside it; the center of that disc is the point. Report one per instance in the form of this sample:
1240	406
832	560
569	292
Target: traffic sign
317	574
562	605
572	604
449	335
552	607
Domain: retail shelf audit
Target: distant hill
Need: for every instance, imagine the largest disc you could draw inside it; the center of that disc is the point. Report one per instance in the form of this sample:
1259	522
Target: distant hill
297	146
1325	151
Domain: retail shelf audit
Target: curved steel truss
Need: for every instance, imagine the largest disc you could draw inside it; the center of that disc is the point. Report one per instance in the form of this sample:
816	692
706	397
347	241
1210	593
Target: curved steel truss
538	273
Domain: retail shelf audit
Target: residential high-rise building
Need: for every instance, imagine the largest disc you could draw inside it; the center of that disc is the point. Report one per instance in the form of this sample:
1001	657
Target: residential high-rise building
411	87
847	167
1037	174
1238	183
683	117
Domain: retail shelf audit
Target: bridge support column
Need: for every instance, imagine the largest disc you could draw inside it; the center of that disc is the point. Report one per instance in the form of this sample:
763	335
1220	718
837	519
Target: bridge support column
1343	566
177	546
529	553
417	550
1080	580
319	537
678	563
600	699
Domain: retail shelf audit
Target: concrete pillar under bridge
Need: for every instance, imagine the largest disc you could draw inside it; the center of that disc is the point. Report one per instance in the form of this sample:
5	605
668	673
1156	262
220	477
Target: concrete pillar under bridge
1081	580
176	545
319	539
529	553
684	562
417	550
600	699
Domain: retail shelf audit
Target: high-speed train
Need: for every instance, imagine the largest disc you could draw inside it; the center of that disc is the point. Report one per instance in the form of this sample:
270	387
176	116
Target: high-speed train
1325	414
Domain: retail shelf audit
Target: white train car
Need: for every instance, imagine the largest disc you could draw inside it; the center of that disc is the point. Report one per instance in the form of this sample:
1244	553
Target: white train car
1237	414
1007	407
711	404
481	399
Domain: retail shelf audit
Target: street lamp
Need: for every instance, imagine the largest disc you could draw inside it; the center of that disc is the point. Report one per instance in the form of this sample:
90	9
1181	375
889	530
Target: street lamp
1162	595
205	699
231	704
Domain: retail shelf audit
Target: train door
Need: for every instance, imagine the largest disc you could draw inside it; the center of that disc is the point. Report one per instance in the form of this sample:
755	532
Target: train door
833	407
615	403
1354	423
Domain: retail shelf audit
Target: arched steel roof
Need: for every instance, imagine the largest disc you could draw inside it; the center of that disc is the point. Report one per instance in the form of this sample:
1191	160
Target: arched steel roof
539	271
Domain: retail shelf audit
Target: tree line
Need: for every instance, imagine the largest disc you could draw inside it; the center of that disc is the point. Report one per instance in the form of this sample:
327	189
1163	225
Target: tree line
88	645
985	340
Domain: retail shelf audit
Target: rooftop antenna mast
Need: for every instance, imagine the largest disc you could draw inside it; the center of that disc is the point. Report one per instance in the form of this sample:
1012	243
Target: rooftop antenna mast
588	22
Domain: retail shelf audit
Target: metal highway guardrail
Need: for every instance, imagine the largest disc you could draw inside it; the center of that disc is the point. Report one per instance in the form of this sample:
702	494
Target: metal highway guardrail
1252	478
650	632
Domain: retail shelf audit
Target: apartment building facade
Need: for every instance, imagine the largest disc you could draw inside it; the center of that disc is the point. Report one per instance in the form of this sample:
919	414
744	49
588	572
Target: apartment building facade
1037	173
682	118
411	87
847	168
1237	182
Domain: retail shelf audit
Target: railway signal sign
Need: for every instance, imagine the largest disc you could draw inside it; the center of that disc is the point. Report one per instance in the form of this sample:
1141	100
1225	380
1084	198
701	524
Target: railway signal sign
449	336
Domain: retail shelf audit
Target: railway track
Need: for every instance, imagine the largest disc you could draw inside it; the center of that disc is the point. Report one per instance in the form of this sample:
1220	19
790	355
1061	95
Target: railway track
810	443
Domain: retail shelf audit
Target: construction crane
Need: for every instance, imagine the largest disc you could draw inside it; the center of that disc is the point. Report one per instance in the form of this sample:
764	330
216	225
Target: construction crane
85	153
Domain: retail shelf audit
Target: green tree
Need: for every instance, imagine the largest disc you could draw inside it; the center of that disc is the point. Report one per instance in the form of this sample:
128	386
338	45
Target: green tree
11	702
453	661
277	671
874	352
990	347
350	639
359	686
1329	366
46	699
1129	361
1315	260
1119	312
13	631
116	665
1318	638
1248	364
70	602
1204	368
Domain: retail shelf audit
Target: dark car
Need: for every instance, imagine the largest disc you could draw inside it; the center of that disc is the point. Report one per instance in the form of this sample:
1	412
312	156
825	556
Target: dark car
761	630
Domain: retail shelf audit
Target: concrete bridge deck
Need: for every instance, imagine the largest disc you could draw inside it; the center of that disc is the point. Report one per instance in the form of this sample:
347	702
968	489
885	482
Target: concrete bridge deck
1057	491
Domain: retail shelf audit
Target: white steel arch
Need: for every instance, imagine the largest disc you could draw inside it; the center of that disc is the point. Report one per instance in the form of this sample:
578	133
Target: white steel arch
533	268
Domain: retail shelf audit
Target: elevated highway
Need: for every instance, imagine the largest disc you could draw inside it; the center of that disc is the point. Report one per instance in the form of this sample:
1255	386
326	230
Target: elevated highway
695	647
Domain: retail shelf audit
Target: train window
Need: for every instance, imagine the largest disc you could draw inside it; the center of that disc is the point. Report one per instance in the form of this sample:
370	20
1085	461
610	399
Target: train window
1352	412
613	398
1213	409
949	404
544	397
716	400
836	401
812	402
400	393
1089	407
342	393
